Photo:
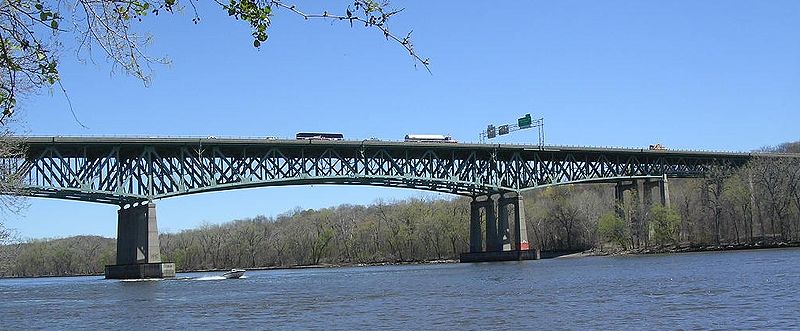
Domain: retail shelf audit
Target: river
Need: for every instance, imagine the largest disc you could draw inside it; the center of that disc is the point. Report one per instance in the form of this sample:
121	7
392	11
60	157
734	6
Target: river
722	290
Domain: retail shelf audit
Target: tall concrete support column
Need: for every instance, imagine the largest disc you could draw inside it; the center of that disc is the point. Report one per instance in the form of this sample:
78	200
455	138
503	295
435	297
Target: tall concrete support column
138	249
137	235
492	240
521	228
475	238
647	193
664	190
619	196
503	233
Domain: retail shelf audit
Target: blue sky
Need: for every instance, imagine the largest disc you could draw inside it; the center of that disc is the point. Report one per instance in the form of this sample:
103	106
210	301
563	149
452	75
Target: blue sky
714	75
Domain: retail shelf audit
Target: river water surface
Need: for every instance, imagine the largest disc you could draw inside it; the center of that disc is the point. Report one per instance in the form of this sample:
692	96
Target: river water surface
744	289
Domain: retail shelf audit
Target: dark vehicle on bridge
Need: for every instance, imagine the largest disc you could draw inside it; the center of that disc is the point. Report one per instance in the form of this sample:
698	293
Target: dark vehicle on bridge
319	136
429	138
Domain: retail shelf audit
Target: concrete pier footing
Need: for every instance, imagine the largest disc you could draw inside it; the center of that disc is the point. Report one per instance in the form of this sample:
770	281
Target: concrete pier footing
140	270
506	234
512	255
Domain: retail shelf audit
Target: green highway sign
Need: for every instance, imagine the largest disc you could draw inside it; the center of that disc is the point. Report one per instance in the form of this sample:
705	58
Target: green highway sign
524	122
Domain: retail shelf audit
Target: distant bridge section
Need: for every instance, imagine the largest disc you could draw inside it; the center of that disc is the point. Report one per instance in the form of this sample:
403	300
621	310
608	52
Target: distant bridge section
123	171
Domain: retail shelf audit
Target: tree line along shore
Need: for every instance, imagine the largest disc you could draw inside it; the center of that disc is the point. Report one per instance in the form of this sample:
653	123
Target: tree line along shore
752	207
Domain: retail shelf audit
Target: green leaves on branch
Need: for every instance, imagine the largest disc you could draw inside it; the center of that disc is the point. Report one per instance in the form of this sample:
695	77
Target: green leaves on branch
665	223
47	16
614	229
136	9
254	13
25	53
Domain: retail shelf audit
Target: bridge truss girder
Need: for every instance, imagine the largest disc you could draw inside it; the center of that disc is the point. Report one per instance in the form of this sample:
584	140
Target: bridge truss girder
125	172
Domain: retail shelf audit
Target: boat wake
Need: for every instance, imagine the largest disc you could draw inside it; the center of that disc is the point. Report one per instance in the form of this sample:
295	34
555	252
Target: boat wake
215	278
141	280
210	278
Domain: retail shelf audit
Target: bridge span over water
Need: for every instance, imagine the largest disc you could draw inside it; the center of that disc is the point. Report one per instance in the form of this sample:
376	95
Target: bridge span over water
129	170
133	172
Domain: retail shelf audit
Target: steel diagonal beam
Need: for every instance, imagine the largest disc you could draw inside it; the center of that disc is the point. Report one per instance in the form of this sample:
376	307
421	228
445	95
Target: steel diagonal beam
437	165
422	165
331	164
571	169
255	166
46	180
375	165
466	168
392	166
240	165
323	166
602	166
56	162
587	165
155	181
526	174
504	173
445	168
62	168
222	166
405	165
519	172
592	166
550	170
205	168
110	167
630	166
168	174
538	169
190	168
276	169
85	169
25	170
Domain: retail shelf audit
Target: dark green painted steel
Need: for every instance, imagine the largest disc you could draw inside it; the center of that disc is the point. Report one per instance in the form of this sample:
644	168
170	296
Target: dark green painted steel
122	170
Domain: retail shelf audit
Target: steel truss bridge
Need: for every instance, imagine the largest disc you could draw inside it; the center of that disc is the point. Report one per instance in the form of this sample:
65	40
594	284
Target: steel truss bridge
124	171
132	172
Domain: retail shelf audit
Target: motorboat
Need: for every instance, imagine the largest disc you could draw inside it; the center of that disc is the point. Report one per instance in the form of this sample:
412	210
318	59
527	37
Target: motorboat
234	273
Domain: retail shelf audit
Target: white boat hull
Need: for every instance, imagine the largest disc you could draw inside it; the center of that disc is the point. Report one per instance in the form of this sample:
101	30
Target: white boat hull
233	274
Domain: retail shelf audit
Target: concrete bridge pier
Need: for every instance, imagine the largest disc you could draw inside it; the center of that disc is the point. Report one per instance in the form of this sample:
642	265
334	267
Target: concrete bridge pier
502	243
662	184
520	233
138	249
619	195
646	188
642	230
475	232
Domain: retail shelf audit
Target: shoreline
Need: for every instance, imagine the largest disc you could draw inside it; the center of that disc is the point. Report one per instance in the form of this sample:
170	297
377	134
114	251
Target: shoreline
685	248
595	252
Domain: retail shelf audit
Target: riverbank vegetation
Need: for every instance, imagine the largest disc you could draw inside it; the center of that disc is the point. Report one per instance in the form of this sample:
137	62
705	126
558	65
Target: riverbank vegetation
758	204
